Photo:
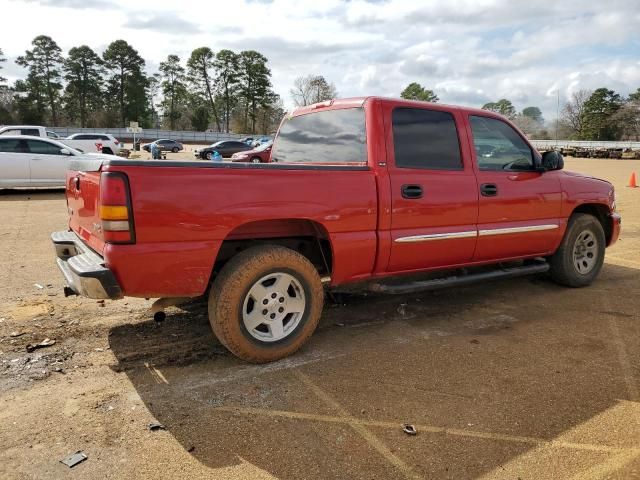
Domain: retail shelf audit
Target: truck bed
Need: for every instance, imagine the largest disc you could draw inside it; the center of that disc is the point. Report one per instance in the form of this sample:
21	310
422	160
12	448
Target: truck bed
184	210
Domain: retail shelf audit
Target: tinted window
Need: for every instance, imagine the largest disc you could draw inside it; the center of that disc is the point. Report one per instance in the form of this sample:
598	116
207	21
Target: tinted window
332	136
43	148
425	139
498	146
31	131
13	146
52	134
102	137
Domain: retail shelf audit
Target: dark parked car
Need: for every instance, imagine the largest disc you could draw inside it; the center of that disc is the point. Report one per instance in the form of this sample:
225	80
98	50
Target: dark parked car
260	154
226	148
165	146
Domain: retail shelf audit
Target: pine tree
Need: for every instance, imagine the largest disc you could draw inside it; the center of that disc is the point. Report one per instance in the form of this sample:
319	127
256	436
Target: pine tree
127	82
43	82
84	72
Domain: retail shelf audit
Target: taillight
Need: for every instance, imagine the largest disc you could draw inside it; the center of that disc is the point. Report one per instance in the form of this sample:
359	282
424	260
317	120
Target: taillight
116	140
115	208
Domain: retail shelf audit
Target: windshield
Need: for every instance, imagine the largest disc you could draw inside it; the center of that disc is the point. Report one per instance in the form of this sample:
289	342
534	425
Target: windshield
264	146
329	137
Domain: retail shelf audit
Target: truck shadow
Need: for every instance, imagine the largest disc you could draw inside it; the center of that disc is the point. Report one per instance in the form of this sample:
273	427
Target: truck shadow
511	359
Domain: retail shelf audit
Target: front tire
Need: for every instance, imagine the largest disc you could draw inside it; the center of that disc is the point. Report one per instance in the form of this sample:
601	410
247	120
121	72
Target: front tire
580	257
175	149
265	303
209	155
256	160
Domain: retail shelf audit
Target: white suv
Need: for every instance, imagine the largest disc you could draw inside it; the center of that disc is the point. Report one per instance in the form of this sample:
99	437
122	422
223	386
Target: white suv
95	142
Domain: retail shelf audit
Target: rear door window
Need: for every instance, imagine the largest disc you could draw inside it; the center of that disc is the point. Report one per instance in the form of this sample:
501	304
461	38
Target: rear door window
13	145
426	139
328	137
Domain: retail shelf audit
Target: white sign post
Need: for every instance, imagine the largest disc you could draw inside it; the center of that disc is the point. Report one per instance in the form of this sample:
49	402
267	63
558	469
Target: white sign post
134	128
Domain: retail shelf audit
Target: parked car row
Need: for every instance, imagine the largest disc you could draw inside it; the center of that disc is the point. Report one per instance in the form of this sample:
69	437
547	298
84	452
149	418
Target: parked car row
84	142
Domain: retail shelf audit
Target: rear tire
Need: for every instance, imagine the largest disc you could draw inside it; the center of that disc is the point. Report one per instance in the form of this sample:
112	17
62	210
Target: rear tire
256	160
175	149
579	259
107	150
265	303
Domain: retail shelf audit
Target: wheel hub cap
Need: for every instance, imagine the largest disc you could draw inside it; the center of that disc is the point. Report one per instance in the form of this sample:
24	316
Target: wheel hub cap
273	307
585	252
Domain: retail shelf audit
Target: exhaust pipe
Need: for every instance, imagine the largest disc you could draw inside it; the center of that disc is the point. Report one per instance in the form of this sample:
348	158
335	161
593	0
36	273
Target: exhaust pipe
69	292
157	308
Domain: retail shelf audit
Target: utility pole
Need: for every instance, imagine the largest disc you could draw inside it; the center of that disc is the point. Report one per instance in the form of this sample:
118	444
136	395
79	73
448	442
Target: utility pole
557	114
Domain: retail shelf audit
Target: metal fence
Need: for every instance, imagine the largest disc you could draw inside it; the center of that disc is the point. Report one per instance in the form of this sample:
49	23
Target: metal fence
189	136
153	134
589	145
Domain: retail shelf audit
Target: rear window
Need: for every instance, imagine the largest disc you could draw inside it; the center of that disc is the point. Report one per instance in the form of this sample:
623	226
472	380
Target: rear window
330	137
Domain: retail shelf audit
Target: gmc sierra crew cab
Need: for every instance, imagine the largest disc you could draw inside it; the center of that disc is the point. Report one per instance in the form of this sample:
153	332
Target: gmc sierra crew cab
369	193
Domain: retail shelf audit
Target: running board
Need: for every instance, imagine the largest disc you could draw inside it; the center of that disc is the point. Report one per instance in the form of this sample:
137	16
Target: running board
459	280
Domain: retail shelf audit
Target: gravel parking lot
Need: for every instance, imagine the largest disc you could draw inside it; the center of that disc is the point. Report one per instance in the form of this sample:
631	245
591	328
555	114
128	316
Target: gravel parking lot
517	379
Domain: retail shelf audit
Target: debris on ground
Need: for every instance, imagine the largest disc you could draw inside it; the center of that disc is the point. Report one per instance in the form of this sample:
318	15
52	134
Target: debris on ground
475	341
37	285
16	334
156	426
74	459
402	309
45	343
409	429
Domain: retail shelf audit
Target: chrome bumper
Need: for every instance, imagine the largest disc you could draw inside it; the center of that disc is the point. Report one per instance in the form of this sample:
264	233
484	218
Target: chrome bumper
83	269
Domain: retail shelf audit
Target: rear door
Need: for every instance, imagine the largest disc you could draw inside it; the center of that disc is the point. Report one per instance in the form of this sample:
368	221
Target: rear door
519	207
14	163
434	193
48	166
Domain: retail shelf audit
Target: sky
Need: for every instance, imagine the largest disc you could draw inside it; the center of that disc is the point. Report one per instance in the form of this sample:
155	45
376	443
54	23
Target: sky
469	52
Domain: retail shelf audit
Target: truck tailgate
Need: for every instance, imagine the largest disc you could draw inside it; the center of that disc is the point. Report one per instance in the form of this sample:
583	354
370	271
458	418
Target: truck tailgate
83	194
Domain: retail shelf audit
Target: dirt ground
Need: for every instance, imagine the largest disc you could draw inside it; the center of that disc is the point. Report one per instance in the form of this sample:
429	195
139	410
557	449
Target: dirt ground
518	379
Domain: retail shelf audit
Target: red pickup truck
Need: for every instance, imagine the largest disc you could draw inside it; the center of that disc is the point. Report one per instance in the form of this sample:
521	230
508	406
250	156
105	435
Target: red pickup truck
366	193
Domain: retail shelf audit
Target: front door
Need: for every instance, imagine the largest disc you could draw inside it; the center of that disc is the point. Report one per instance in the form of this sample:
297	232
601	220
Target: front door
434	193
519	211
48	165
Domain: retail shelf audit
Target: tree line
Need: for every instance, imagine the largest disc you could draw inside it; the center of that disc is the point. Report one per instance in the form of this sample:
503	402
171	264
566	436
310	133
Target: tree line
601	114
223	91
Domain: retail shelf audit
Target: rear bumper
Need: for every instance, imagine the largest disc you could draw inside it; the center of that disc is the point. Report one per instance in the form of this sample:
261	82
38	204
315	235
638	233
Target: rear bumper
616	221
83	269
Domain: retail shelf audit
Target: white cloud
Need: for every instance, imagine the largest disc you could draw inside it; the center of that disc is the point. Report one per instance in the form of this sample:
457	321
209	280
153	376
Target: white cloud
468	51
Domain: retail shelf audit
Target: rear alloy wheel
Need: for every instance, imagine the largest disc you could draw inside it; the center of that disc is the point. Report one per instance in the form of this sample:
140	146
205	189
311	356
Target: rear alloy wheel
579	259
265	303
255	160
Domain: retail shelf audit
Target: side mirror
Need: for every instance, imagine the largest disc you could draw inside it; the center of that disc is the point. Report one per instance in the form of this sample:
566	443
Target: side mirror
552	160
64	151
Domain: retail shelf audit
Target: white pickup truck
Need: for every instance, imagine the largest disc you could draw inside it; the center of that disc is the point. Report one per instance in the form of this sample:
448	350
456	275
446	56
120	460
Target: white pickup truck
85	142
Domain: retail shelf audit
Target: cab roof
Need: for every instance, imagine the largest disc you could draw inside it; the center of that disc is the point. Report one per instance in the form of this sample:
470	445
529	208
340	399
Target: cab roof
356	102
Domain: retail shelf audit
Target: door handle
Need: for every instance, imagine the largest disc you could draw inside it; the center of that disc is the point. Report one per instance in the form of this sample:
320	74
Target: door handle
489	189
411	191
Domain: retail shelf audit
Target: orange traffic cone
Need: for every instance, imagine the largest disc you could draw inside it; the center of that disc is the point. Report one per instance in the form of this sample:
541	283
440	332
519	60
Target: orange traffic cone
632	181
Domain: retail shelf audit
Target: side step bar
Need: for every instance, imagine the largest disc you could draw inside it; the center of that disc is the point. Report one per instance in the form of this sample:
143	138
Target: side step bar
459	280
